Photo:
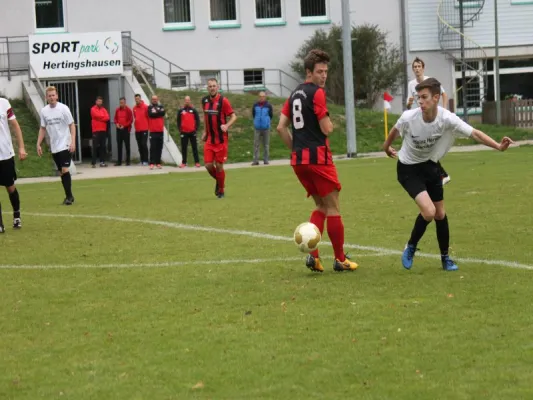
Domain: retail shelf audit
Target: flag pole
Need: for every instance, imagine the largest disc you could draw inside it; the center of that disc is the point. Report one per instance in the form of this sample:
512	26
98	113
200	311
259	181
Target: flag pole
386	122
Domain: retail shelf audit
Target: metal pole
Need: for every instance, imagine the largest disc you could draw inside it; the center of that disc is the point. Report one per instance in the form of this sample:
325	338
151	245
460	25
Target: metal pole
8	60
463	62
404	52
349	97
497	96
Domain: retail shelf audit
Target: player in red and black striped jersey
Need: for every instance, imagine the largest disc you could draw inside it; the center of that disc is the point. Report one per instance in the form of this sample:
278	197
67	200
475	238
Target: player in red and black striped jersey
217	110
311	157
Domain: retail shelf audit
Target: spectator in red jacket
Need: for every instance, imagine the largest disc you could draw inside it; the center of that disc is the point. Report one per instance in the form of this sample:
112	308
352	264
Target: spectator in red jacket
140	113
99	120
188	122
123	120
156	125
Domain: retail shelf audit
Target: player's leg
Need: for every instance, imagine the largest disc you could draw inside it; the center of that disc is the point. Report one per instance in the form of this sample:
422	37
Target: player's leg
2	229
412	178
15	203
153	150
209	163
62	160
221	156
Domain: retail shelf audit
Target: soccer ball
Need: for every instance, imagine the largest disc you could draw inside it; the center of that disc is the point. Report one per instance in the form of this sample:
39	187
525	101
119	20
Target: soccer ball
307	237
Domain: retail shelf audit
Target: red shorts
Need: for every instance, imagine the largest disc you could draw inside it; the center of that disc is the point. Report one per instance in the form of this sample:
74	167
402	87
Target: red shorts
215	152
318	180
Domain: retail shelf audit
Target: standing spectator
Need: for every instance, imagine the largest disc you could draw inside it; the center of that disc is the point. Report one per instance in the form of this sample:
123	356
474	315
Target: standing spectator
140	112
156	125
99	120
262	114
188	123
123	120
56	119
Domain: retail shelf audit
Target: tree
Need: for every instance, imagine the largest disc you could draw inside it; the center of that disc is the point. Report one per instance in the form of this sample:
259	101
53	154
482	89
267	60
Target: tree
377	64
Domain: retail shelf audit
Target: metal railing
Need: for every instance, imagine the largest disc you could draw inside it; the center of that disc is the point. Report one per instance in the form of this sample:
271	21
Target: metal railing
39	86
462	50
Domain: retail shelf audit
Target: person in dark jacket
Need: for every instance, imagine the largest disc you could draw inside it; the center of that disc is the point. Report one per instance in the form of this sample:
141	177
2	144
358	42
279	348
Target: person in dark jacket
156	126
188	122
262	114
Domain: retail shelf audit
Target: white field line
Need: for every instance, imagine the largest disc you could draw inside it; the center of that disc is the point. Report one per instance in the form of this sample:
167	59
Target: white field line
171	263
174	225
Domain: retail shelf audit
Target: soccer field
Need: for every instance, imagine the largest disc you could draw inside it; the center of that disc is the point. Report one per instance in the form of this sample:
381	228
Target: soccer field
152	288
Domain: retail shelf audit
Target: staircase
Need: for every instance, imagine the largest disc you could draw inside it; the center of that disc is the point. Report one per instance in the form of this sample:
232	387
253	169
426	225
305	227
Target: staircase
468	56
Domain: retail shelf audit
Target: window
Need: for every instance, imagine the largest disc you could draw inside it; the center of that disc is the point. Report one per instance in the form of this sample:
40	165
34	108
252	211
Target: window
179	80
49	16
223	14
314	12
253	77
469	3
178	14
269	12
206	75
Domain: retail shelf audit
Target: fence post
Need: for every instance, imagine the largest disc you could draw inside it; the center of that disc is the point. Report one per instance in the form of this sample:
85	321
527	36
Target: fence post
227	79
280	83
8	61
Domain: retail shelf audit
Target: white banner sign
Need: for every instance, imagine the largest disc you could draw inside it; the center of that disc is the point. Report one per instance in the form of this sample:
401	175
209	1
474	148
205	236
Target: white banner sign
76	54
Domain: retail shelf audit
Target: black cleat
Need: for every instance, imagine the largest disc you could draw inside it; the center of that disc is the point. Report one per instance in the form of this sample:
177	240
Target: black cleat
68	201
2	229
17	223
220	195
216	189
314	264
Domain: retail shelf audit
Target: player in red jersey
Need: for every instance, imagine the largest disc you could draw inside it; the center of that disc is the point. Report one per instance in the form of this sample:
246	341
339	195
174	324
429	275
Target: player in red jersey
311	157
217	109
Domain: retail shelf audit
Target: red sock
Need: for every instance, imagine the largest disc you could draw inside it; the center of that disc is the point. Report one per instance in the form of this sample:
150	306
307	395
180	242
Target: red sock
336	235
318	218
213	172
221	180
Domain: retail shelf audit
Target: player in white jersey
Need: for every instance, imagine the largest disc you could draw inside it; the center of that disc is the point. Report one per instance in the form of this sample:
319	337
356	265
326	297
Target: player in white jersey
8	174
428	132
57	121
419	67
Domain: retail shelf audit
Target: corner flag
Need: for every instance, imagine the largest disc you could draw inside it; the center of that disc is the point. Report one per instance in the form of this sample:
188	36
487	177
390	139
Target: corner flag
387	98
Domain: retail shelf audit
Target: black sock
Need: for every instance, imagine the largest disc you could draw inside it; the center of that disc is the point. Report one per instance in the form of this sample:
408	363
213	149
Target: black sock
15	202
66	180
418	230
443	235
1	220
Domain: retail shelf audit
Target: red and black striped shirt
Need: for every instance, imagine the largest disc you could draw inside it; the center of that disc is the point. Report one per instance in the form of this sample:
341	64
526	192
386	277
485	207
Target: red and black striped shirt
305	108
216	112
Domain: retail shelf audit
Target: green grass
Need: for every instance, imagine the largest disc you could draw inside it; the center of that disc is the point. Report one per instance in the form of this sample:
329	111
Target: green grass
369	126
33	165
267	330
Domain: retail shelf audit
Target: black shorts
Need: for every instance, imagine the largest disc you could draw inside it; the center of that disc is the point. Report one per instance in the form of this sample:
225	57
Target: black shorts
417	178
8	174
62	159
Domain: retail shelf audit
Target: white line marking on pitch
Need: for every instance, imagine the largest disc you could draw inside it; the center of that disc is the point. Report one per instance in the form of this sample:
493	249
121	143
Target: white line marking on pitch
176	225
171	263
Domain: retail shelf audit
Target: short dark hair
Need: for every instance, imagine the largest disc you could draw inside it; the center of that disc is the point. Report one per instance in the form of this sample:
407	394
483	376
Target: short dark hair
315	56
99	98
212	79
430	83
122	98
137	95
418	60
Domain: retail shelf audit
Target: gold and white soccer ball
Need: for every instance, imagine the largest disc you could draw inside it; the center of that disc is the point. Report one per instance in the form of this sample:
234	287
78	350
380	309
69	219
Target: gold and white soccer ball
307	237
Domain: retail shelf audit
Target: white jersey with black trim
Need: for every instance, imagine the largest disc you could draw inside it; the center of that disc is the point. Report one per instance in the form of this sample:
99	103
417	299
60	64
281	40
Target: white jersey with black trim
56	120
423	141
6	143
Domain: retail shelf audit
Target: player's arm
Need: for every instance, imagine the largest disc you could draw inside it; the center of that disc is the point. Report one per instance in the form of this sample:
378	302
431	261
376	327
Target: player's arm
321	112
485	139
283	130
72	147
387	145
15	127
231	121
40	138
228	110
